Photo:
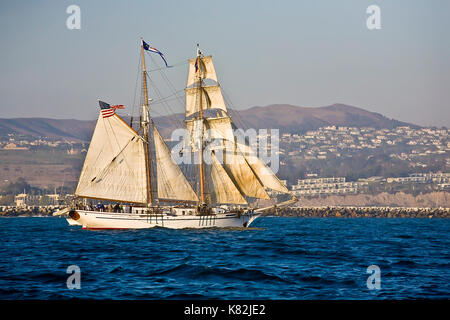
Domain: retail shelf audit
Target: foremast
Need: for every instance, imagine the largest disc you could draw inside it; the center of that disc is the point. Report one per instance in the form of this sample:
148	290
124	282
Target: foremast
145	125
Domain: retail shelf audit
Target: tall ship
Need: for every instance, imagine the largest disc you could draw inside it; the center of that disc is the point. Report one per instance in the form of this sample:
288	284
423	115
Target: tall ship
133	171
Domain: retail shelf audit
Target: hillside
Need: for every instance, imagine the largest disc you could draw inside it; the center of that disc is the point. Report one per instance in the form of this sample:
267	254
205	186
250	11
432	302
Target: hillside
287	118
51	128
294	119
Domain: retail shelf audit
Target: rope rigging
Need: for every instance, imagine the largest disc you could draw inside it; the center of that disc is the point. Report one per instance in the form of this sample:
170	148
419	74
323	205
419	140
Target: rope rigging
135	88
177	95
161	98
181	63
171	95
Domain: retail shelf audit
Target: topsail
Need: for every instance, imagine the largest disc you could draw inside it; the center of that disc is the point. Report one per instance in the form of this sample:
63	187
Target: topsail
205	67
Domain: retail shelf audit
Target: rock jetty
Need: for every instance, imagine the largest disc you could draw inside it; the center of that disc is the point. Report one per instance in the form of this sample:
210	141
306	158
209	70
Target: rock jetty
361	212
306	212
28	211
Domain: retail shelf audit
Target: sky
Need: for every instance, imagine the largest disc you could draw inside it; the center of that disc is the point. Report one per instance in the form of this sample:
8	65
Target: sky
304	53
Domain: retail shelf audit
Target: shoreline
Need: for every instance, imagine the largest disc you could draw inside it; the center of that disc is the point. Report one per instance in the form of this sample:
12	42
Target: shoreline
301	212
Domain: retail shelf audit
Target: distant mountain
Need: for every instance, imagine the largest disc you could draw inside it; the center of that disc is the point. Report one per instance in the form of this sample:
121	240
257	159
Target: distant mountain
294	119
53	128
287	118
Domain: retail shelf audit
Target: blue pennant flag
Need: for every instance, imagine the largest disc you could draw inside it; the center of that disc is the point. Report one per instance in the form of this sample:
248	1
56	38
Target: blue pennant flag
151	49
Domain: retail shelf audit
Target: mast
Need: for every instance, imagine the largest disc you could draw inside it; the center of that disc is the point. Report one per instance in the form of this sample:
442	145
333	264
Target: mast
145	122
200	117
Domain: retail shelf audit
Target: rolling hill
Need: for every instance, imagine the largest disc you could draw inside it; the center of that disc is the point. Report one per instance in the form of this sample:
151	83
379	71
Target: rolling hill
294	119
52	128
286	118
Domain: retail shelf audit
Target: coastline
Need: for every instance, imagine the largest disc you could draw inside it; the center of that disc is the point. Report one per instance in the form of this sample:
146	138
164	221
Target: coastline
301	212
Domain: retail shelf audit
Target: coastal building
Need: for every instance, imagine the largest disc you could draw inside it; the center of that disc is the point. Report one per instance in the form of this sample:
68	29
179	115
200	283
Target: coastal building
437	178
54	198
20	200
13	146
324	186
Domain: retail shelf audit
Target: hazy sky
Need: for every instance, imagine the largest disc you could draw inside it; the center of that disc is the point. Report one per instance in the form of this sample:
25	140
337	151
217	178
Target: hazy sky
306	53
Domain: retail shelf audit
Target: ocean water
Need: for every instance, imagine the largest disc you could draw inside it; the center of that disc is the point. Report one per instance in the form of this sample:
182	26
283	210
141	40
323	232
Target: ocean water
280	258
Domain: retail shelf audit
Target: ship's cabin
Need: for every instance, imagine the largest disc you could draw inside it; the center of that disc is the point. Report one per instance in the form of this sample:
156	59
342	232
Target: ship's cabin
183	211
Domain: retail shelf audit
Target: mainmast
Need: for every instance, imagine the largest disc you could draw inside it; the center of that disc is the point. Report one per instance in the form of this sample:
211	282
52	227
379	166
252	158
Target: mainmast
200	118
145	123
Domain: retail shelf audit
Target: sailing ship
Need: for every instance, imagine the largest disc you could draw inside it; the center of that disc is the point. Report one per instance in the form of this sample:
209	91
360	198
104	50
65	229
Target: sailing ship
120	166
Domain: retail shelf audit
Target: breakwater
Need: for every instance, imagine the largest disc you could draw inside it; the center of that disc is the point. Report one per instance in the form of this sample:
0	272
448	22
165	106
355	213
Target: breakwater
306	212
28	211
361	212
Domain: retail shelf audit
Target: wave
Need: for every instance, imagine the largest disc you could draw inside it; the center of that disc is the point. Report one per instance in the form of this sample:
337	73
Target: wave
189	296
317	280
404	236
404	263
294	251
116	270
200	272
48	277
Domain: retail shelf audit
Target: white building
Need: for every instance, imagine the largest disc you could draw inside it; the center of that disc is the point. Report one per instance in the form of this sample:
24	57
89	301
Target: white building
324	186
20	200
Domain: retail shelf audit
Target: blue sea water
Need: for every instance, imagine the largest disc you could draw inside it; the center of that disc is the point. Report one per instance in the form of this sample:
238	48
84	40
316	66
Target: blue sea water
280	258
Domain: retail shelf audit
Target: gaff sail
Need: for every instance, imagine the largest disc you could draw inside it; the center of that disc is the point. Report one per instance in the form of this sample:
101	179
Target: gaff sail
114	168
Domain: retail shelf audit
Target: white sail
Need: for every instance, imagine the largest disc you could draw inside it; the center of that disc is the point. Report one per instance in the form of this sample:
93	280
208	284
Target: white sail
262	171
221	128
236	165
114	168
172	184
205	69
242	174
224	190
197	132
234	161
212	98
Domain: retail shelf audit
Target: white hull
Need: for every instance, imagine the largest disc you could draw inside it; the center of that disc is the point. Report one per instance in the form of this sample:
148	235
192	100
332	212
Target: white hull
109	220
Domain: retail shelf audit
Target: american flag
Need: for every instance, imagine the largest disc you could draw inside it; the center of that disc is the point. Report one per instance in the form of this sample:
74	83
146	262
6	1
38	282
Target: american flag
107	110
